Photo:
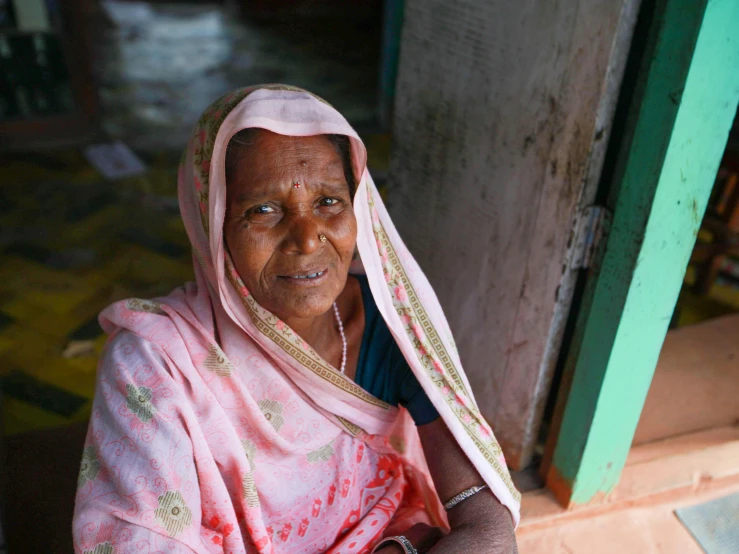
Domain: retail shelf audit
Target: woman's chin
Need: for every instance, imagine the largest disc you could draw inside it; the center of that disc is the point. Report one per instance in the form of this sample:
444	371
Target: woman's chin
305	306
304	298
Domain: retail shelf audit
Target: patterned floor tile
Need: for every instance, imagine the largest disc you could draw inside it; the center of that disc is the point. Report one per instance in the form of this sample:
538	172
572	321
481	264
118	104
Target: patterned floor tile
45	322
138	266
75	376
24	348
153	242
90	330
42	394
21	417
46	288
5	320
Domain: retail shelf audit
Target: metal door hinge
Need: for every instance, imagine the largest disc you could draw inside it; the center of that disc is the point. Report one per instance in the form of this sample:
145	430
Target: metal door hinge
591	228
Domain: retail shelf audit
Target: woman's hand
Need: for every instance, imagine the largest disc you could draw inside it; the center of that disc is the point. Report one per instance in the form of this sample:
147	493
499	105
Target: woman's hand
391	549
479	524
421	536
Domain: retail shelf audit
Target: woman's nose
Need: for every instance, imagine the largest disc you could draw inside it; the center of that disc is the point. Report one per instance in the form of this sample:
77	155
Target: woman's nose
302	236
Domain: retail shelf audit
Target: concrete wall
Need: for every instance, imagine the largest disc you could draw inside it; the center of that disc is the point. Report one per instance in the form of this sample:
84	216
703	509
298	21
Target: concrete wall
502	115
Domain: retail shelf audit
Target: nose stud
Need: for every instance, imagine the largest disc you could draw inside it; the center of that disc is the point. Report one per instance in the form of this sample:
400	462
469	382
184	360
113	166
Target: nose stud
296	185
322	238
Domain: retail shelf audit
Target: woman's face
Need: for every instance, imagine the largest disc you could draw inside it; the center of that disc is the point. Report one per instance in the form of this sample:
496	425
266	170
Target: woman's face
272	227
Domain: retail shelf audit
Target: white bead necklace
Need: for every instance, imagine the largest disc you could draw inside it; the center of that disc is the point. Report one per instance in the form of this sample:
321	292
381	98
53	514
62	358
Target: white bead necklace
343	338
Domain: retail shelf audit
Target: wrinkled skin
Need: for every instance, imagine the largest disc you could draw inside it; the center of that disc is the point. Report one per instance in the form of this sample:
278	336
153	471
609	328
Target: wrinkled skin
272	228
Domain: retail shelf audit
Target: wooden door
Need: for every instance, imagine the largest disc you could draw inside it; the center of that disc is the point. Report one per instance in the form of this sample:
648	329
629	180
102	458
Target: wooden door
503	111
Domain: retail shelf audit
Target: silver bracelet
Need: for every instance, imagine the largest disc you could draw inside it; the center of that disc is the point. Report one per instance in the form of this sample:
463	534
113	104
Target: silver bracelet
401	540
464	495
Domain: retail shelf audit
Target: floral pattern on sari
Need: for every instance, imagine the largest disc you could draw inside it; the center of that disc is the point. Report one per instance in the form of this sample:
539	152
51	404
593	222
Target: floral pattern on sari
172	513
89	467
102	548
138	400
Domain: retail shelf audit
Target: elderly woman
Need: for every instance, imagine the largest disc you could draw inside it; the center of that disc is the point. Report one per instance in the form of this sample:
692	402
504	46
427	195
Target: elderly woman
269	407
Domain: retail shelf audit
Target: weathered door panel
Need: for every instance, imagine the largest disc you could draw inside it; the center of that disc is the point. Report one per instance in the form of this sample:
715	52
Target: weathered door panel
502	115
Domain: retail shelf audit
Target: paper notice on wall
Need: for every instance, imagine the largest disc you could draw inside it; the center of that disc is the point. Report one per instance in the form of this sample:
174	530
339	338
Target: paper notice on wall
114	160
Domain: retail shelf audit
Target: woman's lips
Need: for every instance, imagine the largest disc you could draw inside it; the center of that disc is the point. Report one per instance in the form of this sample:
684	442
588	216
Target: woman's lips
305	278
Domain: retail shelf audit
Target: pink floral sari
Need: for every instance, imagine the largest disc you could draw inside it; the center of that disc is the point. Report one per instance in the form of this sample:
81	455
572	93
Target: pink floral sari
215	428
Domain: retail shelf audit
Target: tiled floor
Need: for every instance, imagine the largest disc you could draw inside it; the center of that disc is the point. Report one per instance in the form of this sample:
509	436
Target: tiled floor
72	243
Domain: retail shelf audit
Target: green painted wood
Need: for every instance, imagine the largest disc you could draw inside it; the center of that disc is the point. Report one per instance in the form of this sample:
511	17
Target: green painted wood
689	88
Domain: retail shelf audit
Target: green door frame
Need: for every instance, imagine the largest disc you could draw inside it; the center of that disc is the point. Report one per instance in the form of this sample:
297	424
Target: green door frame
685	101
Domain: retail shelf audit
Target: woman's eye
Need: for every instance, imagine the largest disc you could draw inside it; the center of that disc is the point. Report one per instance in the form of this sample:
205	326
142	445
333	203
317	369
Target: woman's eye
262	209
328	201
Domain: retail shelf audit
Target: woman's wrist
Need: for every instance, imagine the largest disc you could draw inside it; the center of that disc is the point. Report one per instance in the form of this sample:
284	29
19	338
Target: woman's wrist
398	544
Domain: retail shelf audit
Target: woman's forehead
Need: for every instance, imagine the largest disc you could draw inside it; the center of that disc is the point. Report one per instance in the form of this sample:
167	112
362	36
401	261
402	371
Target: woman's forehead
270	152
263	139
272	160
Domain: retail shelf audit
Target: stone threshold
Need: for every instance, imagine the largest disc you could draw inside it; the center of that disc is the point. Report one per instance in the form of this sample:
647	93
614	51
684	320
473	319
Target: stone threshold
659	472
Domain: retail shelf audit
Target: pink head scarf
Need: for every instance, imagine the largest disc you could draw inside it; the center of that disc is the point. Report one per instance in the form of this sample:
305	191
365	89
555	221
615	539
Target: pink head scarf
290	455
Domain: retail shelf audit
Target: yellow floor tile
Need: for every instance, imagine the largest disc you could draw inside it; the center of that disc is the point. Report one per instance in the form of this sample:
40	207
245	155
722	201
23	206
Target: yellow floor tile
85	367
43	287
137	264
46	322
25	348
103	223
76	376
726	294
21	417
176	225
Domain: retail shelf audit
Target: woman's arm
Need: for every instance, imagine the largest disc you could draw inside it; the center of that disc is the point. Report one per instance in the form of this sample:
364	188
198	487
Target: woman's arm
480	524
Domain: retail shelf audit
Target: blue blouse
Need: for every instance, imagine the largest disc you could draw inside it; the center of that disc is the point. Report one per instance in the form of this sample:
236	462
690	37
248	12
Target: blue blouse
382	370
